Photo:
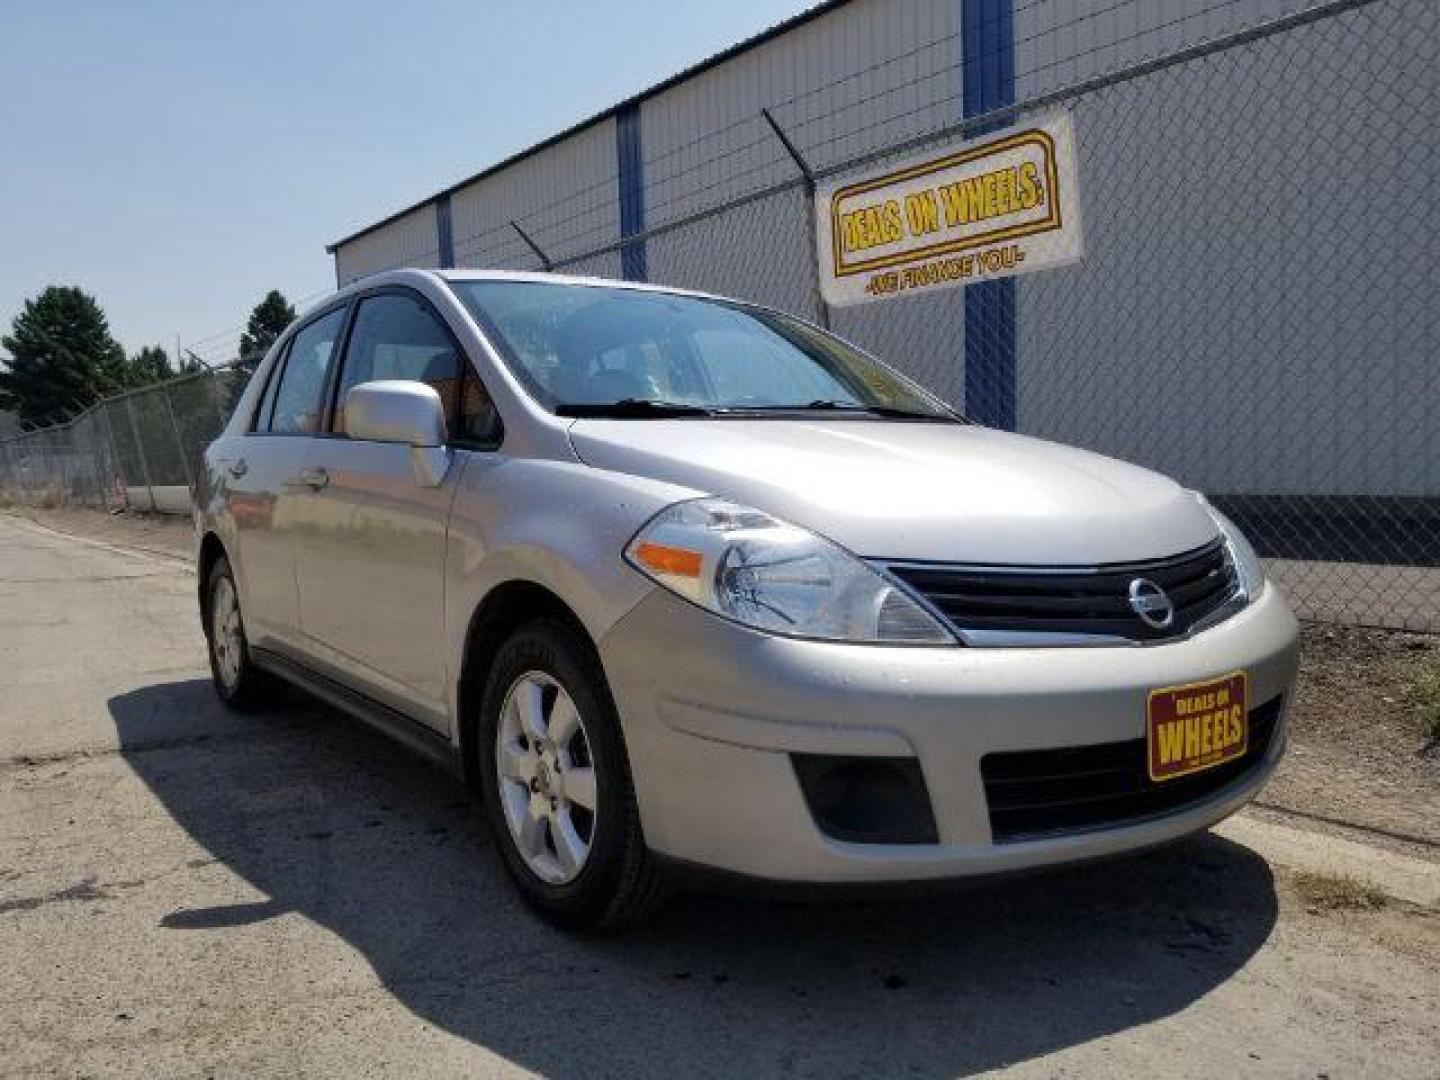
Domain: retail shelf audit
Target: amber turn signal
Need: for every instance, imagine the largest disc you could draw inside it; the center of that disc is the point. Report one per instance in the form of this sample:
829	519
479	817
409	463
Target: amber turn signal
664	559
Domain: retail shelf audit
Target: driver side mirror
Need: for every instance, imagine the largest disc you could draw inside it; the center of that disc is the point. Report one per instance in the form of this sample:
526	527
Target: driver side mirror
400	411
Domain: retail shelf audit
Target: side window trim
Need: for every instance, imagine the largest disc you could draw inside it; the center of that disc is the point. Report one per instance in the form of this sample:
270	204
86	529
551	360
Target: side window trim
265	407
340	351
261	425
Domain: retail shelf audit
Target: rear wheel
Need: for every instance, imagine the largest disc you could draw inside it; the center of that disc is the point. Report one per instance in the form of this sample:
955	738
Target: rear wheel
240	684
556	783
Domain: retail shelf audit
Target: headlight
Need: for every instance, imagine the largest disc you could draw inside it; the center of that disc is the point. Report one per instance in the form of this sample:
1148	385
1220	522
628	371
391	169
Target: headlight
1242	555
747	566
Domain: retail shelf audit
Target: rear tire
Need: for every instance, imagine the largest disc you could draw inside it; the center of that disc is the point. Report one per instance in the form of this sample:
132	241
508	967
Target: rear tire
549	743
238	682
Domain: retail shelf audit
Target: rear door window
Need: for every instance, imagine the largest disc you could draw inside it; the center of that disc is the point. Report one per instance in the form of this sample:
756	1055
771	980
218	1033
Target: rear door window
267	403
299	401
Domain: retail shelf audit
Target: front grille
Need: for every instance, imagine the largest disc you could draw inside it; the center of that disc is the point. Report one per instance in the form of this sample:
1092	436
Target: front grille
1036	793
1090	601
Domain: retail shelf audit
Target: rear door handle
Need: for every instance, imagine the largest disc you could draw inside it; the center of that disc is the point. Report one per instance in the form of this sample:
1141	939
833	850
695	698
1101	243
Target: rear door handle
239	469
316	478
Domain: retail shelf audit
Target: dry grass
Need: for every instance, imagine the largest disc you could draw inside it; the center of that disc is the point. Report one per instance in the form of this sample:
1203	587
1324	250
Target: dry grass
1331	892
1425	693
50	497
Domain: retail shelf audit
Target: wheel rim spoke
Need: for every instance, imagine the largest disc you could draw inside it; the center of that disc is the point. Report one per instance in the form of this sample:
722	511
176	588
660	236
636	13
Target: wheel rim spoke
570	849
516	764
580	787
530	835
530	703
564	720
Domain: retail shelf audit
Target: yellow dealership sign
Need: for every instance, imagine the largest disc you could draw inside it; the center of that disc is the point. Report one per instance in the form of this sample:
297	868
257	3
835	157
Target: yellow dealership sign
1005	204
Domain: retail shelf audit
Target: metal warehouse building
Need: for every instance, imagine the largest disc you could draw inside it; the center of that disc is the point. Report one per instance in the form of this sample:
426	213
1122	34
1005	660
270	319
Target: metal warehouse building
1256	309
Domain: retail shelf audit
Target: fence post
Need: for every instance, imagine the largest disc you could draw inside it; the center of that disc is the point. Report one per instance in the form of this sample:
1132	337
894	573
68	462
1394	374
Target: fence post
7	467
82	414
164	392
545	263
115	465
216	390
811	211
140	451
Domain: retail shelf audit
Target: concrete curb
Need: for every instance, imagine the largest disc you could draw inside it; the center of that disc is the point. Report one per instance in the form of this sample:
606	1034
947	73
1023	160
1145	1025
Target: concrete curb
1404	877
116	547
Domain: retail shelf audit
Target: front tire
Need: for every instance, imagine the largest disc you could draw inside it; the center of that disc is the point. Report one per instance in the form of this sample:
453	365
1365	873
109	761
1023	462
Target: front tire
556	783
238	682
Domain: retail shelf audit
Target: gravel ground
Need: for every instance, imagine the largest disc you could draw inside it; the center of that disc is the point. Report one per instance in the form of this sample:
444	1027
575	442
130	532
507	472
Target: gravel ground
1359	752
188	892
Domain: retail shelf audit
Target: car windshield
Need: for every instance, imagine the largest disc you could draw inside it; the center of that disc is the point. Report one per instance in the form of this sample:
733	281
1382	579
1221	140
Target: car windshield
590	350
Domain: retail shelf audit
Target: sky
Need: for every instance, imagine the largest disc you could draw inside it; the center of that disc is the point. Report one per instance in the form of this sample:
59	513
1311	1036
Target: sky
180	160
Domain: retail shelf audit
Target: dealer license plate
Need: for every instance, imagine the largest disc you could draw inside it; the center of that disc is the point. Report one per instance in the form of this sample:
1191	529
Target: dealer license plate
1196	727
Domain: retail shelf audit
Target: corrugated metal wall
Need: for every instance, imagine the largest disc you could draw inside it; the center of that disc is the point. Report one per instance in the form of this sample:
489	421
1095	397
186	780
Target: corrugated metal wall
1253	349
564	197
410	240
1183	307
1059	43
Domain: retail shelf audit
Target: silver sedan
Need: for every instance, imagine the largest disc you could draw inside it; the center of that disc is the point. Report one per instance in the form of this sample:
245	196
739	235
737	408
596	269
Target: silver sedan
691	590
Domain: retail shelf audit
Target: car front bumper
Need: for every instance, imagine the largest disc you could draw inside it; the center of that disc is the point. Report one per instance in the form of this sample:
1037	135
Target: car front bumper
712	713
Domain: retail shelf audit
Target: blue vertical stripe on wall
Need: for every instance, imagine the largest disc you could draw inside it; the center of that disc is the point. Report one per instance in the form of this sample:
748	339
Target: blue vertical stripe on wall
631	166
987	36
444	232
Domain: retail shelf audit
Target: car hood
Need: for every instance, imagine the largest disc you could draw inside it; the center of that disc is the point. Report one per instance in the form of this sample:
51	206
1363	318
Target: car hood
922	491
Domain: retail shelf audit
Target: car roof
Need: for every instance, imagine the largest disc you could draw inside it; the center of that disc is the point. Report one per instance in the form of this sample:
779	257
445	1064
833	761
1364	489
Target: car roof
414	275
561	279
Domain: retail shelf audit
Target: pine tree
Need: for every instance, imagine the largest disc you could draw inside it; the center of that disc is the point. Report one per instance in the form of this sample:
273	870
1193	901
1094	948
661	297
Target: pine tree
62	357
267	322
149	365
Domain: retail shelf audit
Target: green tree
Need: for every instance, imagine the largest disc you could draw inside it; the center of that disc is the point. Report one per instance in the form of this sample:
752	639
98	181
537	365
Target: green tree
149	365
61	357
267	322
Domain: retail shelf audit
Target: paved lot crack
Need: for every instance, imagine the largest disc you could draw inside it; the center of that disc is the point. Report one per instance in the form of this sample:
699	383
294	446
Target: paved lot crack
22	762
84	891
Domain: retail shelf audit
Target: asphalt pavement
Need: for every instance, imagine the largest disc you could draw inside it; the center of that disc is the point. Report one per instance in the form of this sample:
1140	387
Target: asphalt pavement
187	892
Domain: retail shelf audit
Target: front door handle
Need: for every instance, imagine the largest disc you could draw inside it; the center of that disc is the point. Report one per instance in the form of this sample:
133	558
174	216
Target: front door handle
239	469
316	478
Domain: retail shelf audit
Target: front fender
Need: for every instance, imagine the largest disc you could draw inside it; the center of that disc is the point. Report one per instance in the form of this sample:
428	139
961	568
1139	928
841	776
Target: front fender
557	524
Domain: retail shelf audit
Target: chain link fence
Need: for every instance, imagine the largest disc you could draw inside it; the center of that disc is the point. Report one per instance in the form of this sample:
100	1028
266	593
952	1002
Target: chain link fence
1256	313
139	449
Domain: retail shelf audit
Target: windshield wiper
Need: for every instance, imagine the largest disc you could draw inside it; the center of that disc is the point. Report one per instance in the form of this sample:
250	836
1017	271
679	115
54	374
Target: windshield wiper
631	409
831	405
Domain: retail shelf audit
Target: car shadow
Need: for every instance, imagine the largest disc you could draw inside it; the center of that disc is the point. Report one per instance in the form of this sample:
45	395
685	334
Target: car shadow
335	823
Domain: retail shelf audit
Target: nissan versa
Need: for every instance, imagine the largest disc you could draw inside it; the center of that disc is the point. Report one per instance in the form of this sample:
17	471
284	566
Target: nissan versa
689	588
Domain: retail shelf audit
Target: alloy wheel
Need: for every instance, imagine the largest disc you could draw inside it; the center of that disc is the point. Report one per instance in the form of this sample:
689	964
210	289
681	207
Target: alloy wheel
546	777
227	638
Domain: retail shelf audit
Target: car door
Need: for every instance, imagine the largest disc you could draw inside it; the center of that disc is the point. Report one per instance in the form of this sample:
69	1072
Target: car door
371	561
261	480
